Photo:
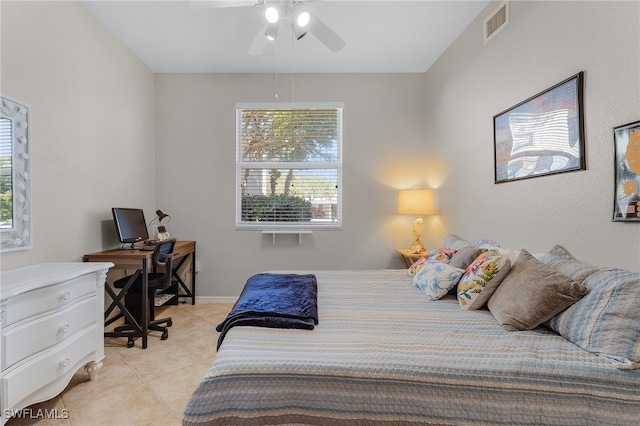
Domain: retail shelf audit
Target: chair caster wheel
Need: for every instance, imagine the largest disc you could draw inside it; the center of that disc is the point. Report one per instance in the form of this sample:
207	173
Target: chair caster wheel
130	343
165	335
169	323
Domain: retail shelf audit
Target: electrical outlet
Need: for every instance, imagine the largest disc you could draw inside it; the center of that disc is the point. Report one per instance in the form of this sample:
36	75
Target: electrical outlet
197	266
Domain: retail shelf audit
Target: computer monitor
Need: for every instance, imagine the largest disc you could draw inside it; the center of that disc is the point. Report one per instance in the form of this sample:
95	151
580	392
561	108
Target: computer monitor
130	225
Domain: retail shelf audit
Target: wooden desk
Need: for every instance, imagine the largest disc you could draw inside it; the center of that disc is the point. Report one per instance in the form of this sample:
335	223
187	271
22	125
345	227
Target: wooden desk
141	261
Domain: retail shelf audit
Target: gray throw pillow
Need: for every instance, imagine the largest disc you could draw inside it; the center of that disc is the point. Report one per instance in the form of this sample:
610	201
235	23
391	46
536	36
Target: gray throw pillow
463	257
532	293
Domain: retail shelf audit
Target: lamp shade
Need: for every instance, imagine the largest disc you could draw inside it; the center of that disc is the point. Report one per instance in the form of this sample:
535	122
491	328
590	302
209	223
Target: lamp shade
163	218
416	201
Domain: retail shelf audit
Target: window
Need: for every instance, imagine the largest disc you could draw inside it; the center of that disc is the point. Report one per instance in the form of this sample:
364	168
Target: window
288	166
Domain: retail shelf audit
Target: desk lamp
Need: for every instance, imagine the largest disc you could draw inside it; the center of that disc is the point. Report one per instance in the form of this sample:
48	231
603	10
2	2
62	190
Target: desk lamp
161	231
416	202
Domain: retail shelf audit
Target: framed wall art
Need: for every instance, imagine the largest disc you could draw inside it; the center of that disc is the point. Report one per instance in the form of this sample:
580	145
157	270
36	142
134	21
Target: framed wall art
542	135
626	140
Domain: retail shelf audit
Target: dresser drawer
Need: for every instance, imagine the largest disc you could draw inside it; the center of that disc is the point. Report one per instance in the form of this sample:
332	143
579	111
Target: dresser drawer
45	299
29	338
50	366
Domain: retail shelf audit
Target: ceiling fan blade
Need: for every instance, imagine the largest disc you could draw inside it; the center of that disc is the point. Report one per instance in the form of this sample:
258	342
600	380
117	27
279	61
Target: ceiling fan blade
259	43
326	35
211	4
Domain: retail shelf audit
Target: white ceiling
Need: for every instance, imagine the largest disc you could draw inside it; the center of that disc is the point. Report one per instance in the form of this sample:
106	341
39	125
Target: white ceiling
173	36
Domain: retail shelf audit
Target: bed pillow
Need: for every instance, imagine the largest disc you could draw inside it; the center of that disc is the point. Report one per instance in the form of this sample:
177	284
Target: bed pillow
606	321
560	260
485	242
532	293
437	278
512	254
463	257
481	278
439	254
454	242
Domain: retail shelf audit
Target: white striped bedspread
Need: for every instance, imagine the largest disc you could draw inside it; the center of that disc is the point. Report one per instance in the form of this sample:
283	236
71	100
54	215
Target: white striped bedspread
383	354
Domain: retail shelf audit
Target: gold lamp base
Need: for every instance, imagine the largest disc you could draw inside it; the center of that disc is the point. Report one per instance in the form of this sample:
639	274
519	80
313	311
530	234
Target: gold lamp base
417	246
416	201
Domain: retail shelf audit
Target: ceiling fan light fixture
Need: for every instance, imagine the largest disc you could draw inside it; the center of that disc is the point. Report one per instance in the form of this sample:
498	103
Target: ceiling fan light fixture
299	32
272	15
303	19
272	31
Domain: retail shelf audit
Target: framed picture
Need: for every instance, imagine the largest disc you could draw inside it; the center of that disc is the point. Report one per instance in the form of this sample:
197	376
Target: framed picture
626	141
542	135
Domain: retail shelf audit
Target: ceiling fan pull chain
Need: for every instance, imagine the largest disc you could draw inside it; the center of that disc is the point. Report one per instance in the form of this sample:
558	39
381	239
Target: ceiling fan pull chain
293	63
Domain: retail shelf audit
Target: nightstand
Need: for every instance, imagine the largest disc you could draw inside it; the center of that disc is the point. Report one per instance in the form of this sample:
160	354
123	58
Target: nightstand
407	257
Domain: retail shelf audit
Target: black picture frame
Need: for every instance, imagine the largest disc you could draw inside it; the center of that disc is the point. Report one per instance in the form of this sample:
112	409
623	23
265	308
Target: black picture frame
542	135
626	203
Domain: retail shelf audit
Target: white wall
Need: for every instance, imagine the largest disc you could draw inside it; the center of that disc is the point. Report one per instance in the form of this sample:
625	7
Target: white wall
93	106
383	151
91	126
545	43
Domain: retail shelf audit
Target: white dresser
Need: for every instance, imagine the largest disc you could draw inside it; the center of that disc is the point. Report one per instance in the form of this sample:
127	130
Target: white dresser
51	323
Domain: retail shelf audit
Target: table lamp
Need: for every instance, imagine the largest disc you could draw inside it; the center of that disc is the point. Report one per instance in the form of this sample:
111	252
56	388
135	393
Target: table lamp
416	202
161	231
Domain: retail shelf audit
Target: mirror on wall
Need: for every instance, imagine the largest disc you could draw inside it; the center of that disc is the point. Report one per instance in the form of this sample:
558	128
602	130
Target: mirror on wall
15	201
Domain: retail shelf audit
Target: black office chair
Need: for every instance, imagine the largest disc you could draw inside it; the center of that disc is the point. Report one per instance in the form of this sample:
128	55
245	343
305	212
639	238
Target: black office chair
157	282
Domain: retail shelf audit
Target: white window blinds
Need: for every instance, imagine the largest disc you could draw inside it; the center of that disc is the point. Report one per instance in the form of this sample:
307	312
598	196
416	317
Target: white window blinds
288	166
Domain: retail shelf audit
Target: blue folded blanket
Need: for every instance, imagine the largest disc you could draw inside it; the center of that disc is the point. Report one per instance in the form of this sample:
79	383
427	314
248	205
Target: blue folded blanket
275	301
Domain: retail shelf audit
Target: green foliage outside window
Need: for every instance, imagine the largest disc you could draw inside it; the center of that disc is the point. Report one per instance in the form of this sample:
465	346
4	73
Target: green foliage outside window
6	199
275	208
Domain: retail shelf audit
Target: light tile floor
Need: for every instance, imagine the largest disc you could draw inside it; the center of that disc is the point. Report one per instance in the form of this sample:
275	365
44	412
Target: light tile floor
141	387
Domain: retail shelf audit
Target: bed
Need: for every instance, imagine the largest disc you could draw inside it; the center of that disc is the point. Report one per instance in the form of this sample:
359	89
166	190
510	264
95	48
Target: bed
384	354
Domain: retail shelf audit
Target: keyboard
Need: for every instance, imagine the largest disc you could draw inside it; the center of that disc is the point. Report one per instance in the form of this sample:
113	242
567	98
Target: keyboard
148	246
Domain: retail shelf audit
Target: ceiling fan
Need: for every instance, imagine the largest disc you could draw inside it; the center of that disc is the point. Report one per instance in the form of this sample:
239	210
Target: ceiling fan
277	13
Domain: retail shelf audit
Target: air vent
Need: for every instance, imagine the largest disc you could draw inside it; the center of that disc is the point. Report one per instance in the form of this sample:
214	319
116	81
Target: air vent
496	21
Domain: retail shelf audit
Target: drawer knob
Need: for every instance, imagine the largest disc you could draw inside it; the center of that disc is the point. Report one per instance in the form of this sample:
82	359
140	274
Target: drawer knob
64	362
66	295
64	328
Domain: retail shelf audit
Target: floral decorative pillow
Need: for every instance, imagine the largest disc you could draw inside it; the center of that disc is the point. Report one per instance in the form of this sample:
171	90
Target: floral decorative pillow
436	279
439	254
481	279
